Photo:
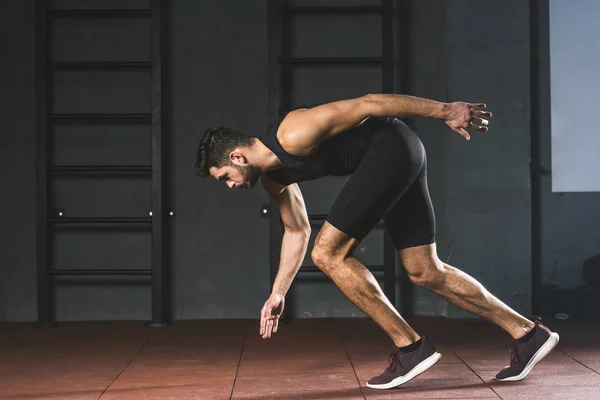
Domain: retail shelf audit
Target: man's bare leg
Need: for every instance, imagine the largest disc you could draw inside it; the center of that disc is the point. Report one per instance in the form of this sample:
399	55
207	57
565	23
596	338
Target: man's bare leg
427	270
332	254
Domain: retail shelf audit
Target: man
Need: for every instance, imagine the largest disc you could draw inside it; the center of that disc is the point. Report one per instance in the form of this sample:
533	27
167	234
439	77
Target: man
364	137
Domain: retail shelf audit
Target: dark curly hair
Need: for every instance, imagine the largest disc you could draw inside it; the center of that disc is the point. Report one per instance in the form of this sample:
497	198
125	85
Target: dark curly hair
215	146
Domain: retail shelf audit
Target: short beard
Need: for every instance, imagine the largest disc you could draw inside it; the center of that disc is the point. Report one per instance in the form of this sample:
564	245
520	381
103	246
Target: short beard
251	173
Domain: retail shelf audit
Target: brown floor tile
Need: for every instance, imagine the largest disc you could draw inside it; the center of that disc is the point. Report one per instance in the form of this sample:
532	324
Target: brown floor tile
271	348
256	363
171	382
593	365
521	392
582	353
57	383
209	357
298	386
443	381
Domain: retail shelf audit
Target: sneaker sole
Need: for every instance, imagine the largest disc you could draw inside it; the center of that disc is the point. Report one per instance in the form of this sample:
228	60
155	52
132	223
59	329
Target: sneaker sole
416	371
537	357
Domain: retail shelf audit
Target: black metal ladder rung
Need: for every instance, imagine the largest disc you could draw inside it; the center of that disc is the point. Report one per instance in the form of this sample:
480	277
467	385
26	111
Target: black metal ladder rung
102	222
311	268
314	274
100	13
330	9
331	60
101	170
98	272
100	65
129	117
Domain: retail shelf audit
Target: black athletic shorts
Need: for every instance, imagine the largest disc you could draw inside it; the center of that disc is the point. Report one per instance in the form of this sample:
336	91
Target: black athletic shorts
390	184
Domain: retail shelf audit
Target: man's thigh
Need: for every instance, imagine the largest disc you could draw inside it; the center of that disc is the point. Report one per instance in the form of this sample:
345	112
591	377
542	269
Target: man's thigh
411	221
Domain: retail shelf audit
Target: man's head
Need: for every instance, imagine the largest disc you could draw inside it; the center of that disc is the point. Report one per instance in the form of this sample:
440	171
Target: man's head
223	154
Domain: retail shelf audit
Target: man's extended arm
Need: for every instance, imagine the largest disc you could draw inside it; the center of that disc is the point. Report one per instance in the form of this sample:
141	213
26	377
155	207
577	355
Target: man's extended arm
293	249
295	237
305	129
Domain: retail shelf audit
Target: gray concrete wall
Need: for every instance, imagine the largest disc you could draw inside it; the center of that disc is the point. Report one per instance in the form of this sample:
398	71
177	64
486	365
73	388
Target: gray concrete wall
487	181
17	162
218	76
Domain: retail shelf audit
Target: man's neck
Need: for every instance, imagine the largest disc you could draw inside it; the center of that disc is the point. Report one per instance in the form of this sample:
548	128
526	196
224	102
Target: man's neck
261	156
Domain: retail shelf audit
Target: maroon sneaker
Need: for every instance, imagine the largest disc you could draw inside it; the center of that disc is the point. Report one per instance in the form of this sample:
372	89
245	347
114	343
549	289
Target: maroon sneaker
524	356
405	366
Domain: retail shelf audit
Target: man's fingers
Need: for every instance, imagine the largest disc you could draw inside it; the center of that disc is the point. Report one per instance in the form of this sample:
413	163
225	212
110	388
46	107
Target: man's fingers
479	121
479	128
463	133
478	113
477	106
264	315
276	324
269	328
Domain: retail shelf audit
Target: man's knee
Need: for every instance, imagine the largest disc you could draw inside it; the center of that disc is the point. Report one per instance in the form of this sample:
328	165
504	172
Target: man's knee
319	256
331	248
322	256
430	274
326	256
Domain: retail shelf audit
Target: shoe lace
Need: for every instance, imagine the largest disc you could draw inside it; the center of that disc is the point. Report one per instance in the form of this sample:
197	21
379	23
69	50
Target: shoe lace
514	352
393	362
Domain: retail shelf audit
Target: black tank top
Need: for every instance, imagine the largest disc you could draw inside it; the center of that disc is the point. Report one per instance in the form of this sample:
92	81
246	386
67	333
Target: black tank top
338	156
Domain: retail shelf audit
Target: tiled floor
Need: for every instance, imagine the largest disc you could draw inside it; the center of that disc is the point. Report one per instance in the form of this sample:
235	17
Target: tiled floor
306	359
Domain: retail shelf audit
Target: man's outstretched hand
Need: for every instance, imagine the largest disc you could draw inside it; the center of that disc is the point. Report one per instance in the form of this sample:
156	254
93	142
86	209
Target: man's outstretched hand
269	315
462	116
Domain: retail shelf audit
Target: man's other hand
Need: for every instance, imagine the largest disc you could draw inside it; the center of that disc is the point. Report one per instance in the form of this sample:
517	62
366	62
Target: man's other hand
269	315
461	116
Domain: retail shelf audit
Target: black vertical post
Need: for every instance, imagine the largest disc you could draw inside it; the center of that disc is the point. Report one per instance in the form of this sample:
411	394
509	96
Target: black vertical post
539	13
274	32
159	312
403	86
387	43
45	298
387	47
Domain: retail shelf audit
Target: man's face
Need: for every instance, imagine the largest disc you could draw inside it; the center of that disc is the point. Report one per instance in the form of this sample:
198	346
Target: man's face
236	176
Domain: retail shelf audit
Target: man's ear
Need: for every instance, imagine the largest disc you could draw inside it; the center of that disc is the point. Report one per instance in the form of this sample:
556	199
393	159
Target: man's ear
237	158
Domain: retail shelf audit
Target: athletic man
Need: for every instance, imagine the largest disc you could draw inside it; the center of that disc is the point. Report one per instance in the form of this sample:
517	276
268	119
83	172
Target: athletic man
364	137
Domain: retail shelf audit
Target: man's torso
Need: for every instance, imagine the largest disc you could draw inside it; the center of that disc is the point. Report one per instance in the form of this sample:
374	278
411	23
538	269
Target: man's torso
338	156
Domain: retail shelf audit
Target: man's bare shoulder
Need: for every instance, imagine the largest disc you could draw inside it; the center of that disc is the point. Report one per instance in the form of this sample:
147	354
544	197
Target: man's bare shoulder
294	132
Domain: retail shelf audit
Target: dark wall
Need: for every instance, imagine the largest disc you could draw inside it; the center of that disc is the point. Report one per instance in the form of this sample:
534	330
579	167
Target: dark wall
17	160
218	75
480	188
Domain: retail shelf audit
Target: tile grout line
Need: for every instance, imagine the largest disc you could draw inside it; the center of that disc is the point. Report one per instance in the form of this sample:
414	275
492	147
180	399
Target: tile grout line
576	360
473	371
337	328
237	371
123	370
